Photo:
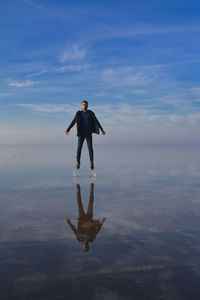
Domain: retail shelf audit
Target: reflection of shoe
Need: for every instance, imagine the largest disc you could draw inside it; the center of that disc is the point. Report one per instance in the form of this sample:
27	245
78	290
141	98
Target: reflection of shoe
77	165
91	165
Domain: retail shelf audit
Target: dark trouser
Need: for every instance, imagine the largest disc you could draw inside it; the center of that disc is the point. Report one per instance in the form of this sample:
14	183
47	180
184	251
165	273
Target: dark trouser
80	144
82	214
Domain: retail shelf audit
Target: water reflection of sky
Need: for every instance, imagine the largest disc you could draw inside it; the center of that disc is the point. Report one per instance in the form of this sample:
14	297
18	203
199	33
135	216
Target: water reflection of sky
149	198
137	190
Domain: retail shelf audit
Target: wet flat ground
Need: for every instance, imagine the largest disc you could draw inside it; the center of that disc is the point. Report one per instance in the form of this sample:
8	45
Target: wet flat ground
140	217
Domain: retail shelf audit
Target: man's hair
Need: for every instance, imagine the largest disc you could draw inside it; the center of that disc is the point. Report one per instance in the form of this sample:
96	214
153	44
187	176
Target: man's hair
84	101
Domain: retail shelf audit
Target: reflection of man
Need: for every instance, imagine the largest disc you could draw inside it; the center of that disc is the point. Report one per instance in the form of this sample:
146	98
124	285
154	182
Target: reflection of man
87	124
87	227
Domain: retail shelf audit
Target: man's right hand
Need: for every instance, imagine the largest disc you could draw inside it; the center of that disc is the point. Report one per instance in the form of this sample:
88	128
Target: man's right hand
66	132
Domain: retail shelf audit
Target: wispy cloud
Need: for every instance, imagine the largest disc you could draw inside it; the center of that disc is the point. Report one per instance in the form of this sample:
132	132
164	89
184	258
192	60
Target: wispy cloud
127	76
46	108
144	116
194	119
5	95
116	95
63	69
72	68
34	5
22	83
146	29
75	52
195	90
123	114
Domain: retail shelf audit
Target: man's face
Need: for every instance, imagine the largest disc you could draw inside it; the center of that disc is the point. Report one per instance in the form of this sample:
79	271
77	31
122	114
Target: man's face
84	106
85	246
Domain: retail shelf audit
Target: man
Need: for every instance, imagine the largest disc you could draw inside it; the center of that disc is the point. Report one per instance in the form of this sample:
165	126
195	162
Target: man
87	124
87	229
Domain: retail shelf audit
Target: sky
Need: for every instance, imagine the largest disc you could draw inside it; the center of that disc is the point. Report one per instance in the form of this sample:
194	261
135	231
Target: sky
136	63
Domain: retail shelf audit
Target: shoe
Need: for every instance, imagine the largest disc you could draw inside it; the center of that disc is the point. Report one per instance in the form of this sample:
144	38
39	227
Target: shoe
77	165
91	165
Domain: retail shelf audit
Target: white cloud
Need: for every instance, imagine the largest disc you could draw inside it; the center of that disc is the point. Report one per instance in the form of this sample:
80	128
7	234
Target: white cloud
144	29
175	100
63	69
72	68
22	83
122	114
122	122
115	95
143	116
46	108
194	119
176	118
128	76
195	91
138	92
40	73
34	5
73	53
4	95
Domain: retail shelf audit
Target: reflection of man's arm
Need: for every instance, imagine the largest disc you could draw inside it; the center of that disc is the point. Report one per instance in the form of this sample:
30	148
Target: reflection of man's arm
99	226
72	226
103	220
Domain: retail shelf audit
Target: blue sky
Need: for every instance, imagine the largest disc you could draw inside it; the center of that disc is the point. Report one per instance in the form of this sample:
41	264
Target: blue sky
136	62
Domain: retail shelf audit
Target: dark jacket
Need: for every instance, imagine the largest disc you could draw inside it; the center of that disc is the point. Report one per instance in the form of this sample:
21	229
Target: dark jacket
77	119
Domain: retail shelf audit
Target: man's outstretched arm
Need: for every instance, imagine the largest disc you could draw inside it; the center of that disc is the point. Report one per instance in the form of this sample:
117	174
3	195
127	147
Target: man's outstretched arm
98	227
70	126
99	125
72	226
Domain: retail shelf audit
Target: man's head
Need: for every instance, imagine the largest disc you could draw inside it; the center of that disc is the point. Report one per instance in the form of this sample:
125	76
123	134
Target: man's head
84	105
85	246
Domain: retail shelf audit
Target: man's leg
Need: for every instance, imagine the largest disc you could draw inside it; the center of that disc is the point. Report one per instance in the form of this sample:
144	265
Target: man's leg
91	201
90	149
81	213
79	148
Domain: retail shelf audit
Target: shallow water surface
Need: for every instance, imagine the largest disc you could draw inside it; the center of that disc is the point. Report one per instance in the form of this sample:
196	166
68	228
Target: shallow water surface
139	219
